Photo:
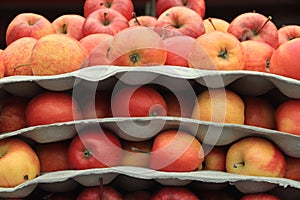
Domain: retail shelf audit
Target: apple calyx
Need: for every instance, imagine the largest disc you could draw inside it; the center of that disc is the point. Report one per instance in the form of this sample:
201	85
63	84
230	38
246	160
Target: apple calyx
135	18
134	58
211	22
223	54
236	165
87	153
264	24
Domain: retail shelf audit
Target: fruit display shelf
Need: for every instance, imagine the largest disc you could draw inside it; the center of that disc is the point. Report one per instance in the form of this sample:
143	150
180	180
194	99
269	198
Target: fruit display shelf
177	78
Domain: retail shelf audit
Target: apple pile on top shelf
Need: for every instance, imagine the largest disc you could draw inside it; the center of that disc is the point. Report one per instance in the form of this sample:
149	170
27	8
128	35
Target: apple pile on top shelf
109	33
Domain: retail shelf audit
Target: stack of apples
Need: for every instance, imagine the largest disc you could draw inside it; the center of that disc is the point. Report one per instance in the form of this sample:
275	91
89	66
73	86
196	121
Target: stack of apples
110	34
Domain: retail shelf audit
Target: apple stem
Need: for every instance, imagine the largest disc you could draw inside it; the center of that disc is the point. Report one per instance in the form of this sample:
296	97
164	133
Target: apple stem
106	21
64	29
138	150
211	22
163	30
184	2
268	19
236	165
101	188
135	18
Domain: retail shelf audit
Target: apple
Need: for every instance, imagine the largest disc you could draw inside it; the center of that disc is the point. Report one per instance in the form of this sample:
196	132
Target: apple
51	107
254	26
2	68
98	45
130	101
137	195
198	6
104	21
12	114
137	46
28	25
176	151
69	24
225	50
288	32
259	112
182	21
103	193
174	193
285	59
19	163
259	196
90	42
213	23
21	49
136	153
292	168
93	148
99	107
57	54
257	55
220	106
255	156
53	156
287	117
178	55
124	7
143	20
215	158
178	104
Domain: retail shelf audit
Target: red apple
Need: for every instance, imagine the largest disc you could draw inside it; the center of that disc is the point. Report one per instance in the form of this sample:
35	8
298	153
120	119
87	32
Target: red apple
257	55
93	148
182	21
21	49
2	68
177	55
125	7
12	115
255	156
28	25
215	158
137	46
53	156
288	32
292	168
225	51
259	112
57	54
90	42
144	101
104	21
197	5
143	20
254	26
287	117
99	107
176	151
259	196
51	107
174	193
98	45
136	153
19	163
96	193
69	24
285	60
